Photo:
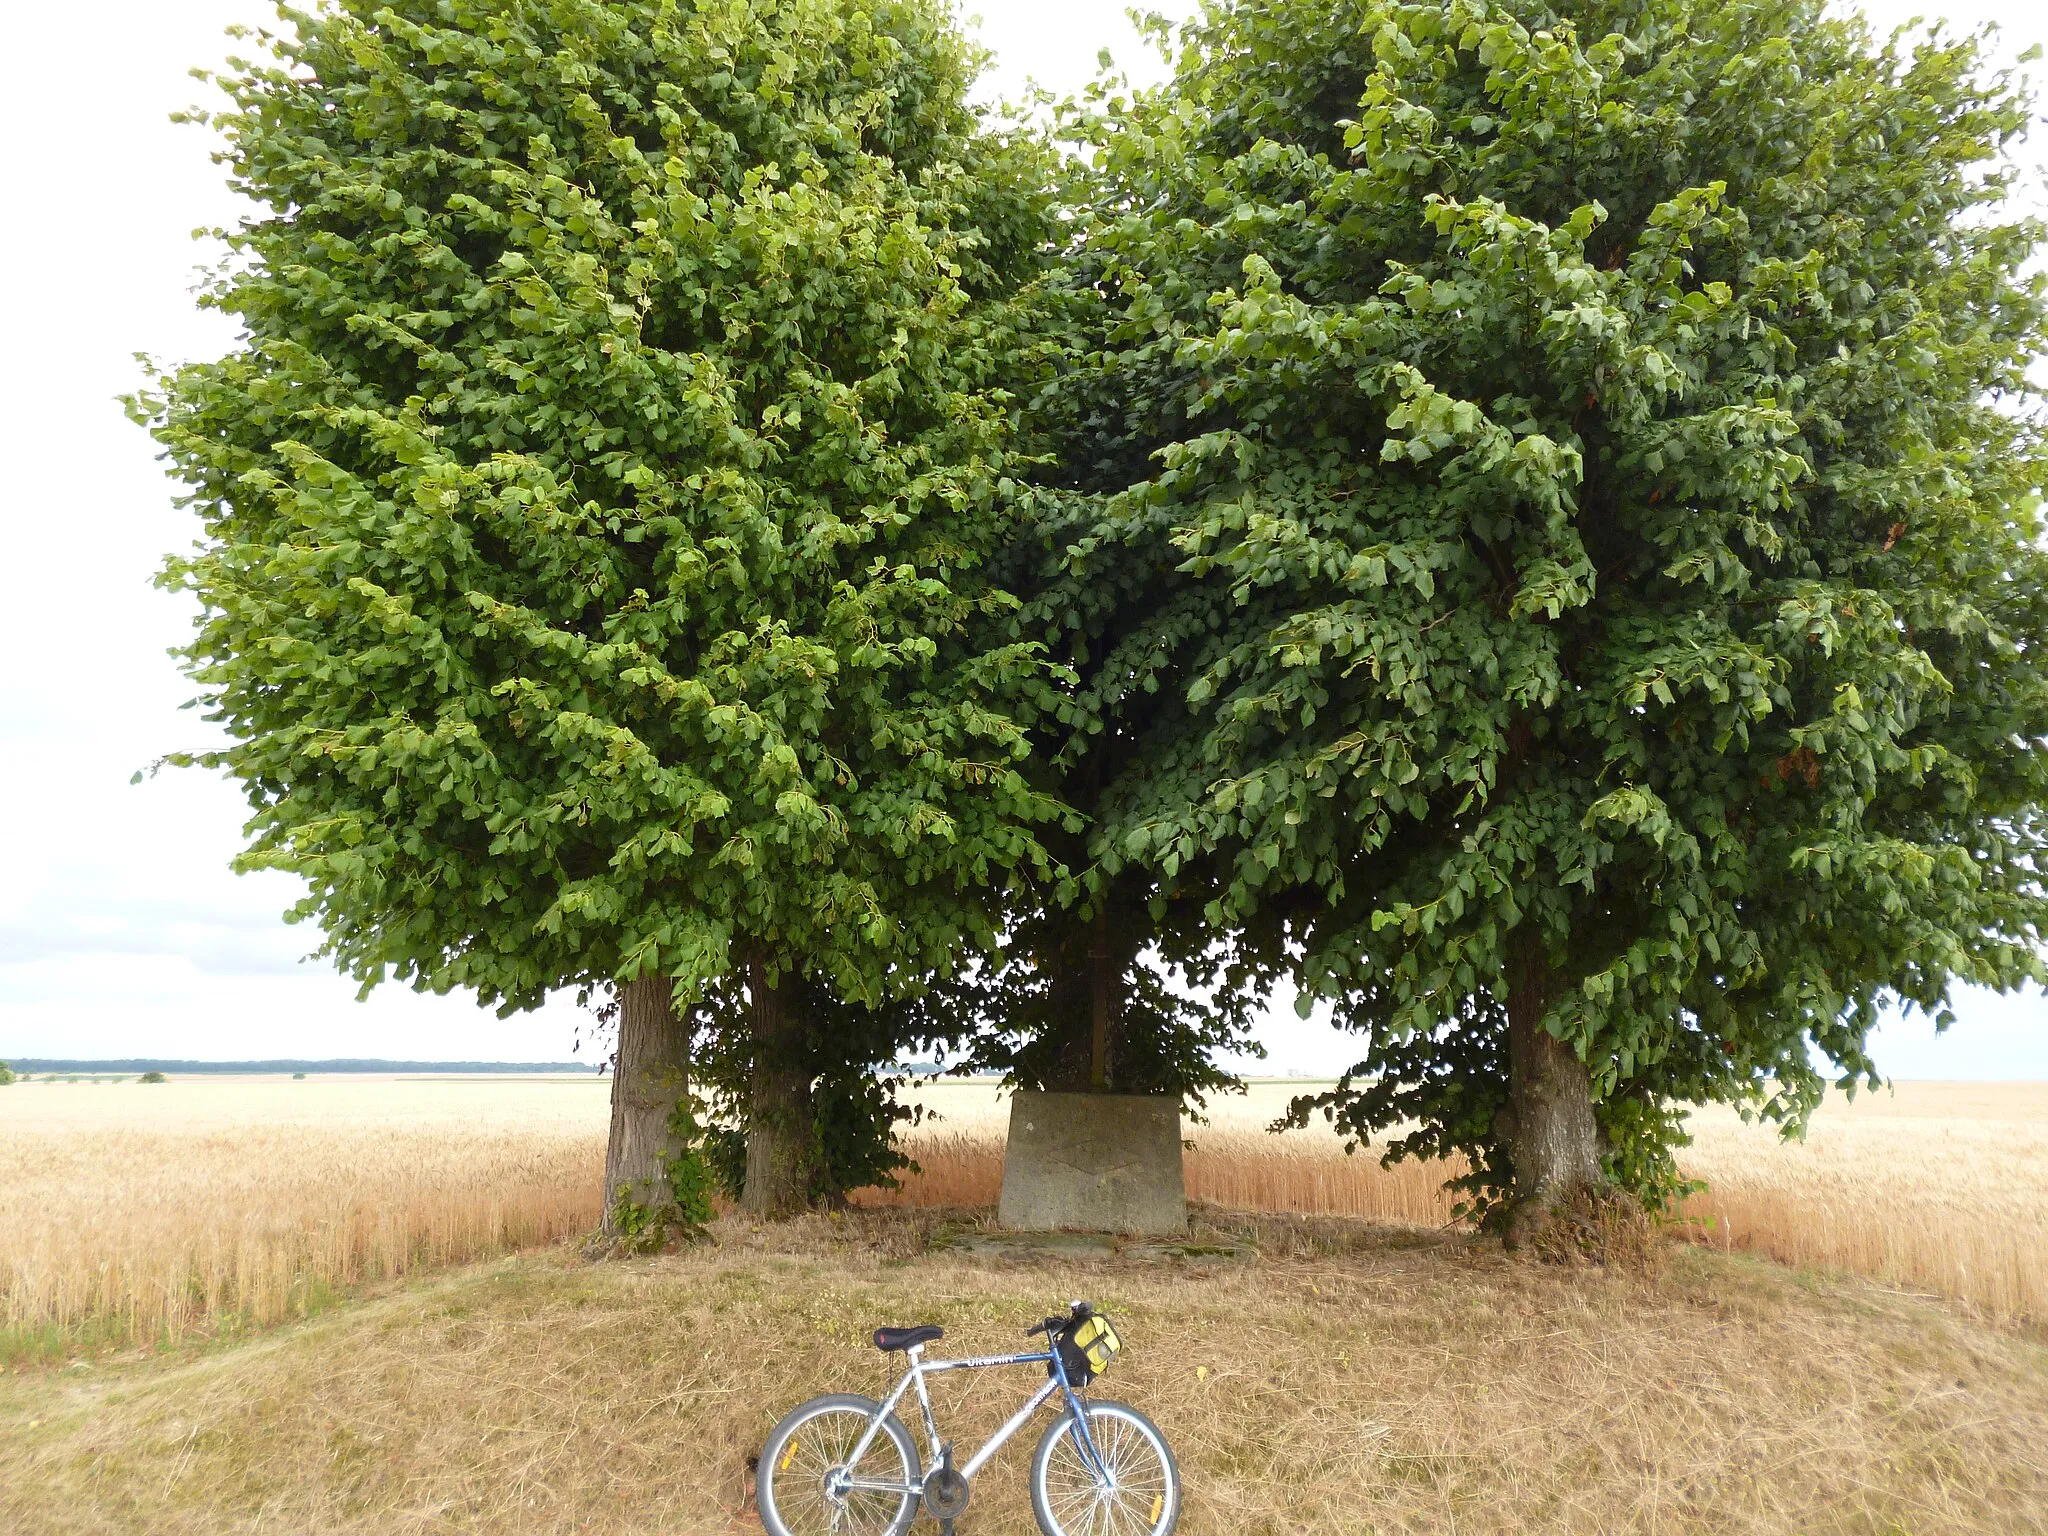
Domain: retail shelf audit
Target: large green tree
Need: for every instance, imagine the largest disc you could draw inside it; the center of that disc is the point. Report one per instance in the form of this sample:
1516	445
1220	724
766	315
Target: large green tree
596	508
1572	468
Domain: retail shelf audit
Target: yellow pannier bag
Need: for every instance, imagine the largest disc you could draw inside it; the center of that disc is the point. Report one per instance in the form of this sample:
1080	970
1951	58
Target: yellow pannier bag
1092	1344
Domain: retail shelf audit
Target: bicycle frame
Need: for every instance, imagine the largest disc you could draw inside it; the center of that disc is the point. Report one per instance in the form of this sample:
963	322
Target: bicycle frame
1056	1382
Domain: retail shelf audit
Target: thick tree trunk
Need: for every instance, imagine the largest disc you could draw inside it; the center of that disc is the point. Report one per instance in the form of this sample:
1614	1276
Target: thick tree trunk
1552	1134
1102	975
1087	1005
779	1113
652	1072
1069	1040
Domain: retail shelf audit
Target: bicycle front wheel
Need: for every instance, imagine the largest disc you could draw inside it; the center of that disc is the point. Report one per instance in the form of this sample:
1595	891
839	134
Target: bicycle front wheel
807	1486
1136	1491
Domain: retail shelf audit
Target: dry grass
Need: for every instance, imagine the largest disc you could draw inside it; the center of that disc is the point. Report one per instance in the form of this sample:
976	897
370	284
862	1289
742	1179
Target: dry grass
1350	1381
132	1211
1353	1379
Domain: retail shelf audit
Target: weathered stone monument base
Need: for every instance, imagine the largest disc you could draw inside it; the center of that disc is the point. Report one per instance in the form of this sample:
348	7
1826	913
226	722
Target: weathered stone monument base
1094	1162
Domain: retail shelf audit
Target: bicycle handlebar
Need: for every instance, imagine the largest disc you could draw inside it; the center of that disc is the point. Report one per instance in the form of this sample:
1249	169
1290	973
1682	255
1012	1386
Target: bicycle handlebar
1077	1311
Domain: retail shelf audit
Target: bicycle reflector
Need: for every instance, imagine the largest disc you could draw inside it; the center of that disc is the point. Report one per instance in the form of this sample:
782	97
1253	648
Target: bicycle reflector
1088	1348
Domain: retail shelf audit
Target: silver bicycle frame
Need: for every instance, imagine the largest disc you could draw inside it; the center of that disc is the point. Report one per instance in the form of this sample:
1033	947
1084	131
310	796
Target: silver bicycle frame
1056	1381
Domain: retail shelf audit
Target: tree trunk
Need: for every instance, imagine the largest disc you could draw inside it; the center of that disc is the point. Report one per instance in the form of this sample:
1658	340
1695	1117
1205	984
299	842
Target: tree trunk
652	1072
779	1114
1552	1134
1102	975
1086	1015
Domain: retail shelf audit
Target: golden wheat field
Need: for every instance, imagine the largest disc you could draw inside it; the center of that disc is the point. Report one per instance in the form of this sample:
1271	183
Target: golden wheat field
136	1212
1940	1188
143	1211
1339	1374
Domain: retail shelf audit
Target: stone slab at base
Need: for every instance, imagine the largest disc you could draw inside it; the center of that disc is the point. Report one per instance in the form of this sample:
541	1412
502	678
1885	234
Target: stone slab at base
1095	1162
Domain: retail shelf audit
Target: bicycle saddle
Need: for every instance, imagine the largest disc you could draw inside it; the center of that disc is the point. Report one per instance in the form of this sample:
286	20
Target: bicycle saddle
888	1339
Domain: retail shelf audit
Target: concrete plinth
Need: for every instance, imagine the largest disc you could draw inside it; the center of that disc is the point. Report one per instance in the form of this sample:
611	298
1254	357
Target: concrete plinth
1093	1162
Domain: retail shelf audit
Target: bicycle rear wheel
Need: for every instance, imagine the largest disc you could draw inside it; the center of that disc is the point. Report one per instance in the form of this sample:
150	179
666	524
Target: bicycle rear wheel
800	1485
1141	1495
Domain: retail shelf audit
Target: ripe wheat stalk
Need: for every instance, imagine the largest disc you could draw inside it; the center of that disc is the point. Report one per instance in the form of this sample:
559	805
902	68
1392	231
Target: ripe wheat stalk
133	1214
1939	1188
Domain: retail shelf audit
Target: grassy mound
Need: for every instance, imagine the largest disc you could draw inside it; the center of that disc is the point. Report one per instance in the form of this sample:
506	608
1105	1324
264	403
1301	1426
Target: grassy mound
1347	1379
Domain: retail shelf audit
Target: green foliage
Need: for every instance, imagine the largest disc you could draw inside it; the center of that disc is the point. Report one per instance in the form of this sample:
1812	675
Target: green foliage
856	1110
725	1155
6	1074
152	1077
852	1097
1564	469
1178	1001
691	1179
639	1226
597	508
1550	479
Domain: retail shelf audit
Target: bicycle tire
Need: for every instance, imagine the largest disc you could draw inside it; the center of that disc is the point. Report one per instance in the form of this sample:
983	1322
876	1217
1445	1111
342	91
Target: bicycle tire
1135	1449
792	1497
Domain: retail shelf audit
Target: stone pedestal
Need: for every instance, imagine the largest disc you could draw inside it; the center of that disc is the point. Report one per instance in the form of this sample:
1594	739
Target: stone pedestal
1093	1162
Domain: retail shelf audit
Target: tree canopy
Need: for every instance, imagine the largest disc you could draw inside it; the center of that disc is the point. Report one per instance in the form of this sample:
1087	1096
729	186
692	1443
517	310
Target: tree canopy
1575	466
596	508
1521	515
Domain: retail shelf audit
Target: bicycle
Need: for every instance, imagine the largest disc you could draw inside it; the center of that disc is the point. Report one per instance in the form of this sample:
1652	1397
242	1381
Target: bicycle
844	1463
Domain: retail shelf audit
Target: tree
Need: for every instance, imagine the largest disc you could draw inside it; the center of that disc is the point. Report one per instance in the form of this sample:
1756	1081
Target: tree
1574	470
1114	980
6	1074
653	1173
597	507
847	1063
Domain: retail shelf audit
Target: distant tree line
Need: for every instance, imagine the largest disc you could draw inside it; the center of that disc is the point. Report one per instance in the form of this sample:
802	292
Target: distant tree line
1517	519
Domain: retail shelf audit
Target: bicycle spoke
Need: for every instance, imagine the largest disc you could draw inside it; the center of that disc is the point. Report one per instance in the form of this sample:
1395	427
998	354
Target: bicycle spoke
1129	1503
812	1452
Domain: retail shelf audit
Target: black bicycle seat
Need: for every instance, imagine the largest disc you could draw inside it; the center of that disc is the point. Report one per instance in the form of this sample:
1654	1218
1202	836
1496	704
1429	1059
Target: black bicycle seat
888	1339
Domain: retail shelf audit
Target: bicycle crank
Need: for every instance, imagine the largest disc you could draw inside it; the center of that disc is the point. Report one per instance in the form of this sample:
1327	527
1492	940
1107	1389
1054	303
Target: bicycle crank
945	1493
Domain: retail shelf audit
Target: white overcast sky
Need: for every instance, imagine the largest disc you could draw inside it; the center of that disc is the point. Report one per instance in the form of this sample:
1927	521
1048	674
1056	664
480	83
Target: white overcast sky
122	931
